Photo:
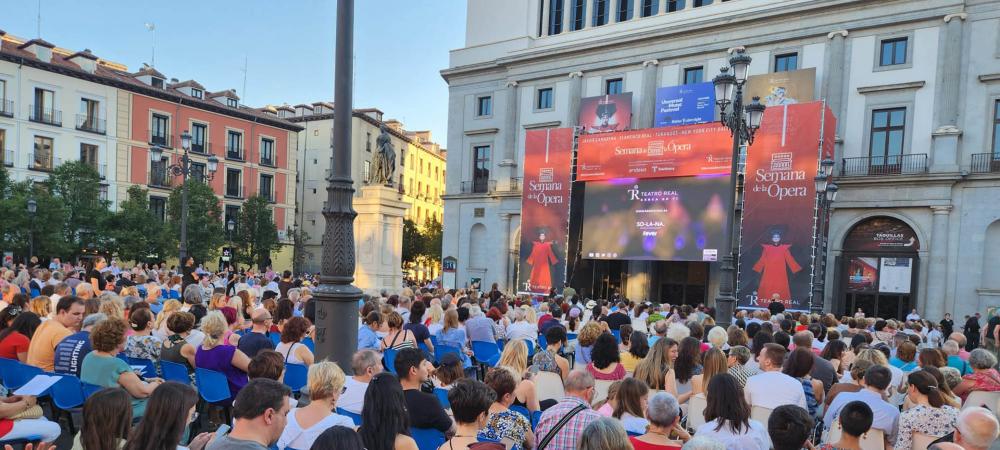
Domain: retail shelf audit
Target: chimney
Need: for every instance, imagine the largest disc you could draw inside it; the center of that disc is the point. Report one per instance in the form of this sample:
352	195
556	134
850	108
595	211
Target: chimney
85	59
40	48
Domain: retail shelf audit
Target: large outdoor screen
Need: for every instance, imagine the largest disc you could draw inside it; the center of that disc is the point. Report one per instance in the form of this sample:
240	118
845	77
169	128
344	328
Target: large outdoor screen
663	219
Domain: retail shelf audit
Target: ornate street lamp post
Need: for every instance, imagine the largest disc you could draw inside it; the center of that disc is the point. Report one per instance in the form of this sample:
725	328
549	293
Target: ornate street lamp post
826	193
183	170
32	209
743	122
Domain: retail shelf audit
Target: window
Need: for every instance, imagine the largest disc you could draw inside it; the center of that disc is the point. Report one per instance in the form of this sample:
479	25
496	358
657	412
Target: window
3	90
232	102
613	86
786	62
888	126
694	75
544	99
267	151
675	5
197	172
156	82
649	8
44	108
88	156
699	3
601	8
158	172
893	52
484	106
996	130
199	136
368	142
480	168
42	158
3	149
578	17
234	145
232	214
555	16
233	188
624	11
267	187
197	93
158	206
366	172
159	130
6	107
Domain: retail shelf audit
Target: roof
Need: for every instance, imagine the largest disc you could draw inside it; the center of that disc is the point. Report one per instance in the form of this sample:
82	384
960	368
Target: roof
85	53
361	114
40	42
228	93
188	83
106	74
149	70
303	105
286	108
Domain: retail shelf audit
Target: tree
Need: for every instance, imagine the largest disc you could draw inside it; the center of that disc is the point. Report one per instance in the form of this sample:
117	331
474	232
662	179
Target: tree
256	234
433	234
137	234
17	227
86	215
299	238
413	241
204	225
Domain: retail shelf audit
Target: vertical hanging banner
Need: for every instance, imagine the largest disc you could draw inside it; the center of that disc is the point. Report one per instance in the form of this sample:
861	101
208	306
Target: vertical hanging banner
779	205
548	160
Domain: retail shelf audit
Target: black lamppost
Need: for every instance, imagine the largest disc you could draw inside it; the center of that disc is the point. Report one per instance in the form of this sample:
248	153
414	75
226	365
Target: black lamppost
826	193
32	209
230	226
183	170
743	122
336	296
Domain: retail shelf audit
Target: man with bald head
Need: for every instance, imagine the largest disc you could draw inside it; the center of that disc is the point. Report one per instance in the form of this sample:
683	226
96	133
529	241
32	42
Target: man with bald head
976	428
962	341
257	339
561	426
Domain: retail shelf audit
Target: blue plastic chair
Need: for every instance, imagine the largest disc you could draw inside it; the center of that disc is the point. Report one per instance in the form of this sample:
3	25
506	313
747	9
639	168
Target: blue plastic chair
310	344
571	336
296	376
213	388
618	335
275	337
531	349
8	368
89	389
175	295
149	370
35	292
175	372
355	417
632	433
389	360
442	395
542	343
441	350
156	307
427	438
535	418
67	396
18	374
501	343
522	411
434	341
486	352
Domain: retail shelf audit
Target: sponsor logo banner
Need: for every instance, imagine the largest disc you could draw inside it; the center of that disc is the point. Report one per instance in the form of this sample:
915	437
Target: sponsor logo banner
680	151
685	105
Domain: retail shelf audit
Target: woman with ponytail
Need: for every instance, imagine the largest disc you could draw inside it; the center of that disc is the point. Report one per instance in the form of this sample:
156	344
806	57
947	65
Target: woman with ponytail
929	413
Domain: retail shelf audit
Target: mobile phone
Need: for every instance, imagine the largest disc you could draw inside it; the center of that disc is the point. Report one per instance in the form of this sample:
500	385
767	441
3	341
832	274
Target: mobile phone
223	429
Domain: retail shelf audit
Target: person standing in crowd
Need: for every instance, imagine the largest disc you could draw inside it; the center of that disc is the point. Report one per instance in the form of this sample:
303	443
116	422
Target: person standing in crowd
575	406
972	332
189	273
95	276
947	325
771	388
365	364
259	417
69	314
425	410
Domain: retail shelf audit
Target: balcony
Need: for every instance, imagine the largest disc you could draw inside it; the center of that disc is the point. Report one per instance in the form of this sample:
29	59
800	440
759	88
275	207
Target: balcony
513	185
160	138
985	163
234	153
46	116
269	162
90	124
42	162
203	148
877	166
479	186
7	108
8	157
159	179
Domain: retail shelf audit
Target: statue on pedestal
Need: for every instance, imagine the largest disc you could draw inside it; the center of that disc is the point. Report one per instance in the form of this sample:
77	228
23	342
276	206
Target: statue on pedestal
384	162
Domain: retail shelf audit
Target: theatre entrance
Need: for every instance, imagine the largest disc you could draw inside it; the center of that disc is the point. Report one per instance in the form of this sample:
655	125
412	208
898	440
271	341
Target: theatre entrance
674	282
878	269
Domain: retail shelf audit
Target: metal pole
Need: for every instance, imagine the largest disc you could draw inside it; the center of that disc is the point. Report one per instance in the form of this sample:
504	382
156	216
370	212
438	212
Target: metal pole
184	207
725	303
819	294
336	297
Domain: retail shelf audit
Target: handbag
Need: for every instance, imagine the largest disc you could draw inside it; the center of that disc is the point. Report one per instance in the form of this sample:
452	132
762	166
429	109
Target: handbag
33	412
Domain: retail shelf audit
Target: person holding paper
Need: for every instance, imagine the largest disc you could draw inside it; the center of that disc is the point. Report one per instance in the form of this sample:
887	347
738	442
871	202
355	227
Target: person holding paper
103	368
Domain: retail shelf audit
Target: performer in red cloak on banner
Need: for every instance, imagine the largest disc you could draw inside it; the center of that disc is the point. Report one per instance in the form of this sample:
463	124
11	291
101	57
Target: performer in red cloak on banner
773	266
541	260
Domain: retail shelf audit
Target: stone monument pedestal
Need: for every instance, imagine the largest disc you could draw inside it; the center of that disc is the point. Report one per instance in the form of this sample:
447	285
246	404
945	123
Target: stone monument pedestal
378	232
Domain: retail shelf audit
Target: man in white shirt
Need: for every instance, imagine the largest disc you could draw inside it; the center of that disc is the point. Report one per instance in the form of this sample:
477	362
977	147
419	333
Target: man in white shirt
913	316
771	388
885	415
365	364
521	329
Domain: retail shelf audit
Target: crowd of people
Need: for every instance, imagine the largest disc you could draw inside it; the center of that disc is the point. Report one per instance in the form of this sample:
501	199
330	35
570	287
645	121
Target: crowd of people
480	370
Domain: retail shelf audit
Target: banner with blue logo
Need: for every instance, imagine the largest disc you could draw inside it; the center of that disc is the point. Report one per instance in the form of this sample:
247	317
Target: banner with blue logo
685	105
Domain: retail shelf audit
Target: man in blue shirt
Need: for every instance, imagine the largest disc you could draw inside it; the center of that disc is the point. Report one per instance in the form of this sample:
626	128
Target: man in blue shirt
875	382
257	339
70	351
367	338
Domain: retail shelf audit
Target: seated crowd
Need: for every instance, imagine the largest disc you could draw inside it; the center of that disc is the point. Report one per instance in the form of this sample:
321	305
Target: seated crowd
459	369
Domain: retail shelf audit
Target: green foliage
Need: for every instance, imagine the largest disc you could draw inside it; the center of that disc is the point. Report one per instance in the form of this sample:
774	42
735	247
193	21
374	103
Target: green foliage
137	234
204	222
18	227
422	244
412	241
256	235
299	252
86	216
433	233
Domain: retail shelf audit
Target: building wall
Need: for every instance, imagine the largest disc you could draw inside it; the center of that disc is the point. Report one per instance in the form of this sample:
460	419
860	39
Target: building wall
951	64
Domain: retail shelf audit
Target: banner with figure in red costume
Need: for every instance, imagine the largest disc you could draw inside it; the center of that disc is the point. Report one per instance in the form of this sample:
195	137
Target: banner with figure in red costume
548	159
779	205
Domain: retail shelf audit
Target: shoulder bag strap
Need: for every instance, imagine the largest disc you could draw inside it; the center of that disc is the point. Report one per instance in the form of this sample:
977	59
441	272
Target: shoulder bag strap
289	352
562	422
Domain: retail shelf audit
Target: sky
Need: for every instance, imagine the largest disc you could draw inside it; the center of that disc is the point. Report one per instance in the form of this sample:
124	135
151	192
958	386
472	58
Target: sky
288	46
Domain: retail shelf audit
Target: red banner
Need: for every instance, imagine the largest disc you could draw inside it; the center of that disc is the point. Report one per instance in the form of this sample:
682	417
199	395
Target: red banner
548	160
680	151
779	205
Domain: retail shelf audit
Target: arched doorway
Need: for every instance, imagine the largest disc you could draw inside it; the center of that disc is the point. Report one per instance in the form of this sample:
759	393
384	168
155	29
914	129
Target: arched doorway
879	268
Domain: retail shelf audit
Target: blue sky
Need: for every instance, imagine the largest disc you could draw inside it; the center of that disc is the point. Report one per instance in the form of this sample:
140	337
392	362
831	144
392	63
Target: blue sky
400	46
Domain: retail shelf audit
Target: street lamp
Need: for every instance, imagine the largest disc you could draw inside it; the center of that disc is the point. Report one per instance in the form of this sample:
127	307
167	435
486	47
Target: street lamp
743	122
826	193
32	209
183	170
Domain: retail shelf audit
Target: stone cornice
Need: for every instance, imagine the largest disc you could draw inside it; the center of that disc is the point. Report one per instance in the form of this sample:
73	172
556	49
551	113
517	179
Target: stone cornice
891	87
481	131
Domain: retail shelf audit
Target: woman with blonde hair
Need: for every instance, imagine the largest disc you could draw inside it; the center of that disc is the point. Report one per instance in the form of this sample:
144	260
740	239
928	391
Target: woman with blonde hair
160	327
326	381
214	354
605	433
129	291
529	314
585	340
218	301
656	368
515	359
436	317
41	305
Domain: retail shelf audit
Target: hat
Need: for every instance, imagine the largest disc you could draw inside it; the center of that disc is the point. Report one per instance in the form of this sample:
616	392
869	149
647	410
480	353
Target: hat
591	304
94	319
